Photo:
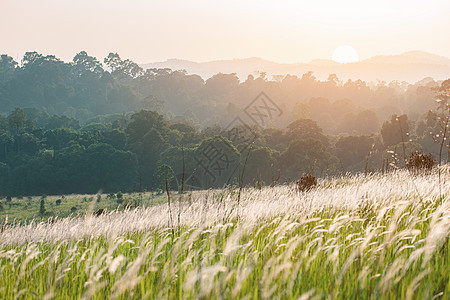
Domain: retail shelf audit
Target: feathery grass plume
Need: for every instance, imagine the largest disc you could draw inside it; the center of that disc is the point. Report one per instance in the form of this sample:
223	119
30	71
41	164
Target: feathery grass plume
376	236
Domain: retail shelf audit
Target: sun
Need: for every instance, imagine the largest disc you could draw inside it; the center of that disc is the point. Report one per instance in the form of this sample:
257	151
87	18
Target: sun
345	54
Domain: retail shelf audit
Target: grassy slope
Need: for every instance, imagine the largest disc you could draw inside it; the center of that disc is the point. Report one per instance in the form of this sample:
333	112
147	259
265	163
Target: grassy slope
353	237
27	209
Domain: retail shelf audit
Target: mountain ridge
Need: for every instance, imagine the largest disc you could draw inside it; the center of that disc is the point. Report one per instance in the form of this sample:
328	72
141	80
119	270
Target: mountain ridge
410	66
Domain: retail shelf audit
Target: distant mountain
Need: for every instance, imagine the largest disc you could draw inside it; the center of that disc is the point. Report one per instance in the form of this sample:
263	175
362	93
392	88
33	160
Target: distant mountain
411	57
410	66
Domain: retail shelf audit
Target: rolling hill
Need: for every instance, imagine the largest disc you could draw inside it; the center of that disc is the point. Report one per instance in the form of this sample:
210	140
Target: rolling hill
410	66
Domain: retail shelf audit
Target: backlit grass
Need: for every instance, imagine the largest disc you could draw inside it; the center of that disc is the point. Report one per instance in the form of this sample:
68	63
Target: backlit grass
386	236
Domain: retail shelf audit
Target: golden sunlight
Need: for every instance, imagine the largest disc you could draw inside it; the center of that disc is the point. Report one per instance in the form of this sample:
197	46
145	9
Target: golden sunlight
345	54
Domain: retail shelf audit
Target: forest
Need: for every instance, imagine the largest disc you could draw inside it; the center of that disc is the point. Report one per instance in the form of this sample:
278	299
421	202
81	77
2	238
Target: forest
86	126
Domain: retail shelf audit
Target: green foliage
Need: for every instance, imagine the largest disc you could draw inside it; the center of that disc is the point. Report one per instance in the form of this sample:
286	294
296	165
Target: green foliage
261	165
218	161
42	206
396	130
303	129
352	150
329	255
165	175
16	120
307	156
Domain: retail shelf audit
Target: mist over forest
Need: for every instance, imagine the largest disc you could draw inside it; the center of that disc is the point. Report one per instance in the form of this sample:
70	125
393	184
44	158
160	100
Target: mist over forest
409	66
86	88
64	125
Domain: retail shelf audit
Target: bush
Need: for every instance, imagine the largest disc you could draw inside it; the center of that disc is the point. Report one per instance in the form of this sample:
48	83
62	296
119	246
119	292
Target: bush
306	183
58	201
419	162
42	206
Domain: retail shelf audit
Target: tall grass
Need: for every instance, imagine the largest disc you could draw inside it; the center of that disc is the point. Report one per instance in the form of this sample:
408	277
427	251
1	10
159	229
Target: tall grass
369	237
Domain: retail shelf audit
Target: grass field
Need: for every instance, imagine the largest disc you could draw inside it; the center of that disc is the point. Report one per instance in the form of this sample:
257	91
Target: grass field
26	209
367	237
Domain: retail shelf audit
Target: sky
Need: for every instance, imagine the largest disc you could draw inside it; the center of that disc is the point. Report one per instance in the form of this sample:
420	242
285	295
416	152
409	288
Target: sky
284	31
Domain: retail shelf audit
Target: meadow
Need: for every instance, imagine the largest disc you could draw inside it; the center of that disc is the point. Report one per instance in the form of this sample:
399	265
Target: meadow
21	210
378	236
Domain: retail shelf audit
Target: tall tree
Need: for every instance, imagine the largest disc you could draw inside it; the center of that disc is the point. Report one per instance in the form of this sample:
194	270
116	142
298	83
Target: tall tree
396	130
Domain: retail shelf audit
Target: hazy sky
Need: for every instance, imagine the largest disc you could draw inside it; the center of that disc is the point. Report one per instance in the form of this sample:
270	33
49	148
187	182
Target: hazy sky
282	31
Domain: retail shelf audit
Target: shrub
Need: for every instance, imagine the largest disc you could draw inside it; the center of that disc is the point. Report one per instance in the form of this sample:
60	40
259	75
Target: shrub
306	183
42	206
73	209
58	201
420	162
8	198
119	197
99	198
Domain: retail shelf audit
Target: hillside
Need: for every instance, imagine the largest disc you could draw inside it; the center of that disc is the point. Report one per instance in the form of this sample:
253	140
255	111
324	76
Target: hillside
410	66
357	236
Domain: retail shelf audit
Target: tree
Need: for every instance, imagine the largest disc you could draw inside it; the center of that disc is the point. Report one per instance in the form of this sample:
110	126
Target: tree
113	61
8	67
306	129
86	65
396	130
217	161
222	84
109	169
123	69
363	122
4	173
353	150
165	175
6	145
306	156
16	120
142	122
31	57
443	119
173	157
261	165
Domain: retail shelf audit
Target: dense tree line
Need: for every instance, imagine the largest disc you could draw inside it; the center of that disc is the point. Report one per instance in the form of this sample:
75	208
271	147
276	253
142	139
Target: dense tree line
55	154
85	126
86	88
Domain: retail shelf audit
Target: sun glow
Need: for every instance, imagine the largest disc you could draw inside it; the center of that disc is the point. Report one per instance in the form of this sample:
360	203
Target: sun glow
345	54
